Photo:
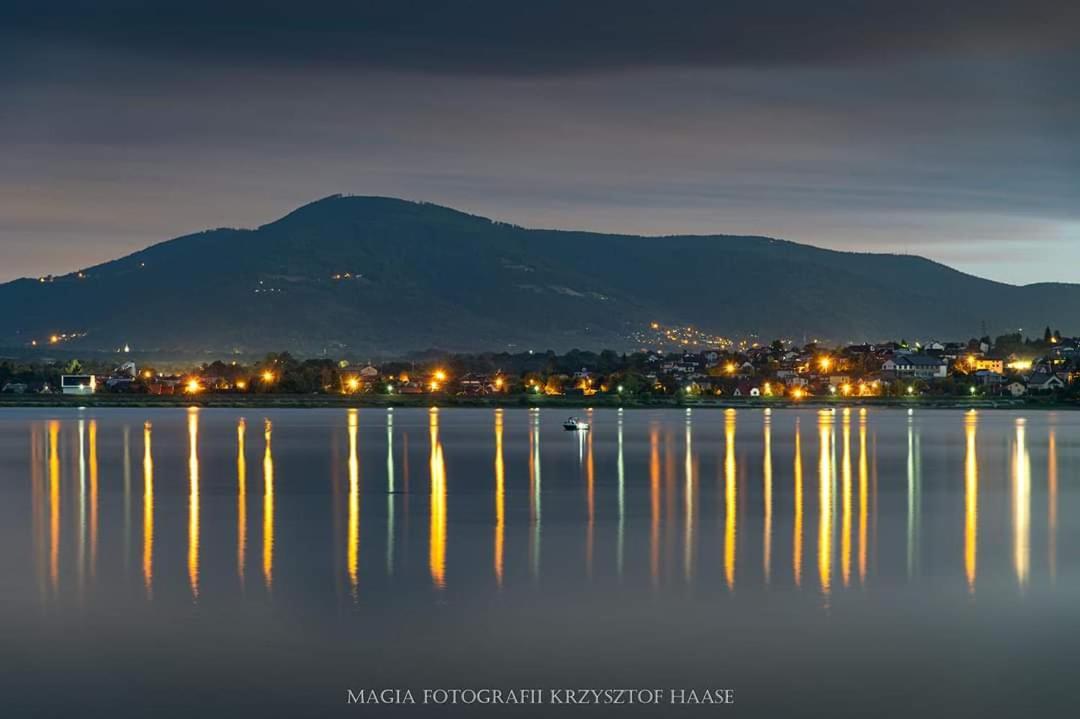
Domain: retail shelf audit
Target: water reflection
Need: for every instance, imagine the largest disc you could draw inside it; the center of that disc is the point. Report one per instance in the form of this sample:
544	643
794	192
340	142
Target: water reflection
534	493
241	501
978	519
797	520
193	501
766	474
500	497
825	500
731	508
654	503
390	491
914	495
845	501
864	481
437	525
1021	504
148	512
268	508
54	506
1052	503
971	500
352	550
689	500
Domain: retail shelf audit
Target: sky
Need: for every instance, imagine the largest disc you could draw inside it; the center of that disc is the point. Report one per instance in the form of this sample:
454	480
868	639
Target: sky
944	129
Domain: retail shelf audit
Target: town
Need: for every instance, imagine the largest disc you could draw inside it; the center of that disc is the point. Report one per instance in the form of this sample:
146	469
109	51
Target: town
1008	366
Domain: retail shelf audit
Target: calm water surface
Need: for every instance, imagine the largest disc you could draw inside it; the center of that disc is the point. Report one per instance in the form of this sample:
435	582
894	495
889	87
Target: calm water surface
845	563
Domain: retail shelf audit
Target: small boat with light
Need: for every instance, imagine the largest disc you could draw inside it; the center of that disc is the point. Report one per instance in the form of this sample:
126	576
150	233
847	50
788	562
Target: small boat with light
574	424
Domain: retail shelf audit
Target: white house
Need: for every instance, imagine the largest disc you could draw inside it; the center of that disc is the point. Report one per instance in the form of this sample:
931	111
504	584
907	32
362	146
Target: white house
920	366
1044	382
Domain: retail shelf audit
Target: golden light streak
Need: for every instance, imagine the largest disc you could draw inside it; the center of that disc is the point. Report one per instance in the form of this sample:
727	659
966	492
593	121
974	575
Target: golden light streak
845	502
193	501
1052	504
352	548
80	556
500	497
148	512
268	509
534	494
390	491
437	528
622	501
689	498
864	481
1021	471
590	500
54	505
971	500
731	507
766	539
241	501
797	521
825	502
93	459
654	504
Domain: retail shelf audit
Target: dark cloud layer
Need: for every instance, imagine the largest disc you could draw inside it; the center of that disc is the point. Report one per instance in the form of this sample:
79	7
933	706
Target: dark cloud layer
496	36
950	129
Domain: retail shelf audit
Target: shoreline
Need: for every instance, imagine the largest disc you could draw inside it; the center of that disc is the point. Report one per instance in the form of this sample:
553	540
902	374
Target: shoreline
271	401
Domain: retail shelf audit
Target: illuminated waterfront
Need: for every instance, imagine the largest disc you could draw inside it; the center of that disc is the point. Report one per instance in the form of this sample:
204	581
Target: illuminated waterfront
296	553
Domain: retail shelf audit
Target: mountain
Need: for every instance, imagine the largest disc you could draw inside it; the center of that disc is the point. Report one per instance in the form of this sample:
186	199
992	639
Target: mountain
377	275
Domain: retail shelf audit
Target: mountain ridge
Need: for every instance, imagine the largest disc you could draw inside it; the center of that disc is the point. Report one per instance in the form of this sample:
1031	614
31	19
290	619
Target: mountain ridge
372	274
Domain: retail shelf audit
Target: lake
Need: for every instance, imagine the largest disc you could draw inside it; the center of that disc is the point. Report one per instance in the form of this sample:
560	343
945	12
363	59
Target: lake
816	562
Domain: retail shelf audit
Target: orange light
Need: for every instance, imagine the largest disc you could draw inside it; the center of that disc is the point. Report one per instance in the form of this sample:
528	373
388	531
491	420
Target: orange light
147	374
825	363
241	384
845	389
730	368
268	376
798	393
498	382
353	384
54	339
440	376
434	386
193	386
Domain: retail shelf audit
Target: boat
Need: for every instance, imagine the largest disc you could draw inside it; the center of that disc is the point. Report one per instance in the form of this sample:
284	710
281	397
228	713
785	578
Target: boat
573	424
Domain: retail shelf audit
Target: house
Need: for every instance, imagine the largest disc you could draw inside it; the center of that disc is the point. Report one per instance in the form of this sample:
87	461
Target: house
1016	388
78	384
1045	382
915	366
16	388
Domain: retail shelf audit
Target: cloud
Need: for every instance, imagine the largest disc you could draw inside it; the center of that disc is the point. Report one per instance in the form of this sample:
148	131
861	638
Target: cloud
499	37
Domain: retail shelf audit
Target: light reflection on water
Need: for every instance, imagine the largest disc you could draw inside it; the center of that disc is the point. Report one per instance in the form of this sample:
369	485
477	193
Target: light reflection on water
649	506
